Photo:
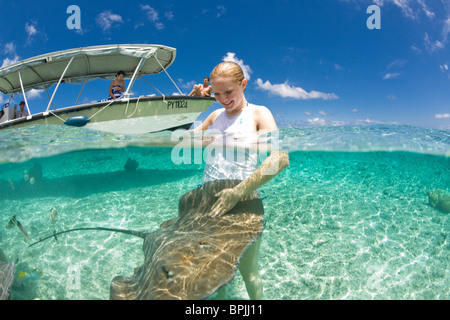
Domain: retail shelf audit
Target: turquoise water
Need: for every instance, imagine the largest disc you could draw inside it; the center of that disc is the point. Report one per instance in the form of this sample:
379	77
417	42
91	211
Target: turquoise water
349	219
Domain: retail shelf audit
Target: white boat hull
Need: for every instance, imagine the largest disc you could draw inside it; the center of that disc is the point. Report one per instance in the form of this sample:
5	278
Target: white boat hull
126	116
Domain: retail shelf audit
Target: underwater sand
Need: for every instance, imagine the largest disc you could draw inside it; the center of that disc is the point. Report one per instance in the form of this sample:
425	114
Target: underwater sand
338	225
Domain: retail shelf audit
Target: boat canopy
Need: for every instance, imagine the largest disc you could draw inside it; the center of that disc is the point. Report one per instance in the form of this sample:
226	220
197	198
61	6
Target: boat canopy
85	64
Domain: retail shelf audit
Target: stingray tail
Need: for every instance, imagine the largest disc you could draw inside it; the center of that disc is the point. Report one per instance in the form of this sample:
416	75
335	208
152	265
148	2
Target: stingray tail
130	232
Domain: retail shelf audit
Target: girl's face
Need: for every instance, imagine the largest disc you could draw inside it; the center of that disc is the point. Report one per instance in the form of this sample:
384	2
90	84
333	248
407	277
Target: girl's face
229	94
119	77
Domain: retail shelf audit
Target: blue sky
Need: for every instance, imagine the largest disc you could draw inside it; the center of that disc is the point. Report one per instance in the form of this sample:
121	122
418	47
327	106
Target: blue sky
309	61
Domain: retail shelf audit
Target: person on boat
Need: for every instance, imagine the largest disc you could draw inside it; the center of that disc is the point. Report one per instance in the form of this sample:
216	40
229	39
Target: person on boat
240	117
202	90
117	86
22	112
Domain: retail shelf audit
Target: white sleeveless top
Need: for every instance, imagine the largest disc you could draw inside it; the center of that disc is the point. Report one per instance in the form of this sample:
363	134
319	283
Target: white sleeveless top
227	156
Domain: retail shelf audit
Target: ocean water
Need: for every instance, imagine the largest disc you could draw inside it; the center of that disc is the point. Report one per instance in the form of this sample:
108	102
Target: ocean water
348	219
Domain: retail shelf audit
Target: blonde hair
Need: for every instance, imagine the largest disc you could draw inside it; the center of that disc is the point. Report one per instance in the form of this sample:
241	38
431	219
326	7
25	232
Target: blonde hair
228	69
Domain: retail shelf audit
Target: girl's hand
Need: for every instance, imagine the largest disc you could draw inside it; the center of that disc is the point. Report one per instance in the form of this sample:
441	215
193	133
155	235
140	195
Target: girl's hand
228	198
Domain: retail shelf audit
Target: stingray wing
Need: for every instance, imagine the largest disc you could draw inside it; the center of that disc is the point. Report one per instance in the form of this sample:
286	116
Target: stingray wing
6	279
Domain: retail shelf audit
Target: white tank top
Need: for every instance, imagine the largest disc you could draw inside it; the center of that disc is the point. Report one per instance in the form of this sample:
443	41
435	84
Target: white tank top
229	156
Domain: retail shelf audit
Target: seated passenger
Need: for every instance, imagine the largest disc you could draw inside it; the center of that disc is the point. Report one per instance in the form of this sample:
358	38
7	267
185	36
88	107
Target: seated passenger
22	112
117	86
202	90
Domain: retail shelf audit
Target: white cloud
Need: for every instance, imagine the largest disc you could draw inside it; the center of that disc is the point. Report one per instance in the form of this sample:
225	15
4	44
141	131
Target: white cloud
8	61
107	20
221	10
425	9
392	75
402	4
138	25
10	49
370	121
442	116
414	9
432	46
317	121
231	56
445	70
391	97
446	29
396	64
82	31
406	6
32	31
186	85
34	94
153	16
169	15
323	113
286	91
415	49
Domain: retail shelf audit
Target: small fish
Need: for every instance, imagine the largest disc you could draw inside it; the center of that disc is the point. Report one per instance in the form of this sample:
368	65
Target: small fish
54	235
13	221
34	274
53	215
10	182
23	230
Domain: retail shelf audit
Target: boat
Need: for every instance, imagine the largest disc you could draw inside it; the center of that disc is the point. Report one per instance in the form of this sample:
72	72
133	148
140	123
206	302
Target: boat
127	115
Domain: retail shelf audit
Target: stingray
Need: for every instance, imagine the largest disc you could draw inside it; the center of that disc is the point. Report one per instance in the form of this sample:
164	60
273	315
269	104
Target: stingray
193	255
6	276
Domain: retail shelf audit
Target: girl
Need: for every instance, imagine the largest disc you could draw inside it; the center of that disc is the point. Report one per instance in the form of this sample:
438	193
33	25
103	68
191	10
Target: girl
238	117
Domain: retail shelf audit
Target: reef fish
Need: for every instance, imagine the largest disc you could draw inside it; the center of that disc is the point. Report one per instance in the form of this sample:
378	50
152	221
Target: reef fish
53	215
14	222
30	275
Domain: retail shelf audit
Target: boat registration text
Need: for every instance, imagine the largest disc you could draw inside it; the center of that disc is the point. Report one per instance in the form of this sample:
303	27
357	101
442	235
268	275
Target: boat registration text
177	104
